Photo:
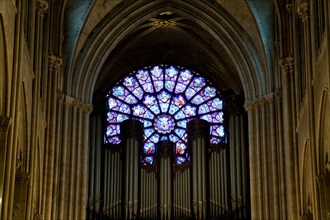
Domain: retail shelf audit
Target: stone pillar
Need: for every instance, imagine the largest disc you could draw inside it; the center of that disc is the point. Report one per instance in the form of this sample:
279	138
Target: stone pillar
132	138
165	156
5	123
20	200
54	67
323	189
198	139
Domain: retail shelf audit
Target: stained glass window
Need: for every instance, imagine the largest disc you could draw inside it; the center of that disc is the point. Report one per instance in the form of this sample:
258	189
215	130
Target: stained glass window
164	98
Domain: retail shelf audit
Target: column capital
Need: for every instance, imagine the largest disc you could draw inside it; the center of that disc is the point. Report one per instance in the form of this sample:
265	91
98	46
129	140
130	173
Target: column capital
38	217
5	123
287	64
41	7
54	62
234	104
323	179
303	10
22	177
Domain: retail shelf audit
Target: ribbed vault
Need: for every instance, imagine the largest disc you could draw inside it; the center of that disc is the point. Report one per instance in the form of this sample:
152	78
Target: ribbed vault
201	35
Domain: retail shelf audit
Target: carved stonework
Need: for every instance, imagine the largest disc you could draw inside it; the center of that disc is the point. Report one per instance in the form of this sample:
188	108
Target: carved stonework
323	179
132	129
22	177
198	128
303	10
287	64
54	63
5	123
41	7
249	105
38	217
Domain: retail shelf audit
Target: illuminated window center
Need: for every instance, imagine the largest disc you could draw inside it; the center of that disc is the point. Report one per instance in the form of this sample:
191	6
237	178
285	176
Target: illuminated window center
164	124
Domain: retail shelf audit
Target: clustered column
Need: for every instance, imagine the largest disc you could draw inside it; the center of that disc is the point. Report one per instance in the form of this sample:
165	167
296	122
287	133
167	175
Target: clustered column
198	138
132	137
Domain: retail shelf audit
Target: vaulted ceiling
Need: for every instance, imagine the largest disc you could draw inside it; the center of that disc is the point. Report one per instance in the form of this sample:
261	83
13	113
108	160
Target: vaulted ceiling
227	41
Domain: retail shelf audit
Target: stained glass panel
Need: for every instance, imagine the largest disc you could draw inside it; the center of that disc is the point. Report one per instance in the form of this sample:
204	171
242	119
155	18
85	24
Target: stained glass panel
164	98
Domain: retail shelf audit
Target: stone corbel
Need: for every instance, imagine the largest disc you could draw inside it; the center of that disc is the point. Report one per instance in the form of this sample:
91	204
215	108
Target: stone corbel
22	177
5	123
303	10
287	64
41	7
54	63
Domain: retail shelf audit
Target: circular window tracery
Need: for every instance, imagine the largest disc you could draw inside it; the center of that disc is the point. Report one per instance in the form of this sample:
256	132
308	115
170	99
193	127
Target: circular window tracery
164	98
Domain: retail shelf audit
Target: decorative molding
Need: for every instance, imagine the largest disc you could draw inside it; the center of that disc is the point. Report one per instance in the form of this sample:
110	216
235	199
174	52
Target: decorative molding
22	177
38	217
41	7
60	97
303	10
323	179
287	64
5	123
54	63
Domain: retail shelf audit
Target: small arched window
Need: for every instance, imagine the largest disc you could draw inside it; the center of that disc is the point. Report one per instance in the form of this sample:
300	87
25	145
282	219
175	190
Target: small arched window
164	98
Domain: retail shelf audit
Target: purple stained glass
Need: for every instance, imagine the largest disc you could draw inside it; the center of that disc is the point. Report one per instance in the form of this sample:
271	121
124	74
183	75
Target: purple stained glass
164	98
149	148
164	124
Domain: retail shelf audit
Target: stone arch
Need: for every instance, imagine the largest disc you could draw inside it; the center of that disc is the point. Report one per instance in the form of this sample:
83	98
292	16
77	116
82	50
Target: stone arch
3	68
306	182
323	152
86	68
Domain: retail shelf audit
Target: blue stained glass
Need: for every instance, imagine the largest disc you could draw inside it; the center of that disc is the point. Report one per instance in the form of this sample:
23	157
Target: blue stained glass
171	71
131	99
148	160
189	110
148	87
216	104
169	85
154	138
215	140
209	91
148	132
147	123
190	93
148	115
164	98
139	110
143	76
173	138
182	123
158	85
180	160
198	99
157	71
203	109
180	88
149	100
179	100
199	82
180	148
180	132
114	140
149	148
179	115
173	109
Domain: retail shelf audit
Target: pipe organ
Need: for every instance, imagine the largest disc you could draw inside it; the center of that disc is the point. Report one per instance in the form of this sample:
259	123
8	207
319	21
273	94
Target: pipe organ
213	184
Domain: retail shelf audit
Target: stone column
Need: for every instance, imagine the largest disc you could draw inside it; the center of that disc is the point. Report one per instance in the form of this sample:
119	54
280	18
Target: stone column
303	12
5	123
20	200
54	67
198	139
132	138
165	155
